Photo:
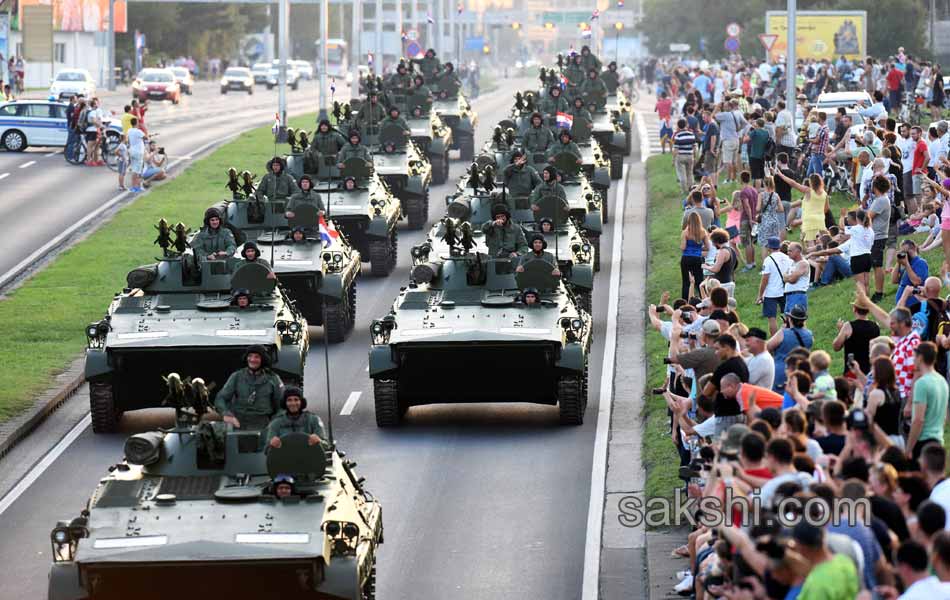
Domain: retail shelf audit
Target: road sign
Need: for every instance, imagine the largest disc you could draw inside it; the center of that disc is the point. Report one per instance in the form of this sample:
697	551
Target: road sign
679	47
732	44
412	34
413	49
733	30
768	40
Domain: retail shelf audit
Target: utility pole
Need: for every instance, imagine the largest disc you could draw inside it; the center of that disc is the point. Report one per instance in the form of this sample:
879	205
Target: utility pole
414	18
790	95
453	34
378	58
283	37
933	35
356	42
268	44
324	35
399	28
111	43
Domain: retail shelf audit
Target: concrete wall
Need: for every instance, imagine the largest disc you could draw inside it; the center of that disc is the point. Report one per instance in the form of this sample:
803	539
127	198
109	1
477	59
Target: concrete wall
78	50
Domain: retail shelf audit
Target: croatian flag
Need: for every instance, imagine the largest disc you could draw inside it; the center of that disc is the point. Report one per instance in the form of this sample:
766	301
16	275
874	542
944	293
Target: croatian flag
276	126
564	120
586	33
328	233
461	7
404	35
619	3
563	81
369	59
333	85
595	15
429	19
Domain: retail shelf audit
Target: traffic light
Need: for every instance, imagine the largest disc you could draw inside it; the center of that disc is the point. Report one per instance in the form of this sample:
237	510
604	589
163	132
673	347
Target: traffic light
549	26
516	25
486	49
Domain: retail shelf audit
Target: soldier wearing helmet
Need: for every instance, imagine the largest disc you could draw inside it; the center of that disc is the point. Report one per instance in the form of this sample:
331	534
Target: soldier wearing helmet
251	253
429	65
327	140
520	178
553	103
284	486
549	197
355	149
241	298
594	88
394	118
504	238
538	137
306	195
565	144
579	111
213	242
295	419
538	251
252	395
531	297
278	184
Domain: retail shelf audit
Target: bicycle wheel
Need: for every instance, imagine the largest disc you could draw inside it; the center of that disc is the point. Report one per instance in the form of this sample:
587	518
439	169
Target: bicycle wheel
109	156
78	156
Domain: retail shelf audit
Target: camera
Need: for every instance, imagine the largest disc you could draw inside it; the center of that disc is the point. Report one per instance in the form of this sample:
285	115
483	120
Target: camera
667	361
901	255
688	336
660	309
918	289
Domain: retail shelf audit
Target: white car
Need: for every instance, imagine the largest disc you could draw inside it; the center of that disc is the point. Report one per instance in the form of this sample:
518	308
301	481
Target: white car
260	72
72	82
293	76
830	101
25	123
237	79
185	79
304	68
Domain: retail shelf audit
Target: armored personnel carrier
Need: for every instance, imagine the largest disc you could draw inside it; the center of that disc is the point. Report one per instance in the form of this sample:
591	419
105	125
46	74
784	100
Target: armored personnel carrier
318	274
430	134
198	511
464	324
585	202
367	214
596	164
406	172
620	108
455	111
178	314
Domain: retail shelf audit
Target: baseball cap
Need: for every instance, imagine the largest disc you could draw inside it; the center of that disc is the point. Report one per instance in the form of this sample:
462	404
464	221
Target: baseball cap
711	327
755	332
773	243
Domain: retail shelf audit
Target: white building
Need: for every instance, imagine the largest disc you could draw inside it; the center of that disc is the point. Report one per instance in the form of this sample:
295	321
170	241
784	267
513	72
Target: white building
71	49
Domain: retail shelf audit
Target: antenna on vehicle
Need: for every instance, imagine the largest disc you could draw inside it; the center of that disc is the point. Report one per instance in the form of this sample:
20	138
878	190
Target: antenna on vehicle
326	360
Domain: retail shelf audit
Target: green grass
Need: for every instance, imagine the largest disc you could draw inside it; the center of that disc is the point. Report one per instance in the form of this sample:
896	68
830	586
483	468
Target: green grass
825	306
42	323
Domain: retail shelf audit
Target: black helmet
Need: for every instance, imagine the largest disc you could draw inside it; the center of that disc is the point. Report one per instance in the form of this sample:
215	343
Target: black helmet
284	478
299	228
555	88
538	115
536	237
585	49
324	122
566	132
449	66
500	209
578	99
308	178
394	108
551	171
517	153
533	291
248	246
612	65
350	178
278	160
356	133
240	292
430	53
292	390
260	351
211	212
544	220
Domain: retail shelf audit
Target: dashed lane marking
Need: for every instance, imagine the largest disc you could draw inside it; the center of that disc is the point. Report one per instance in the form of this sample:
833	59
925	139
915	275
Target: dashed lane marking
51	154
4	175
350	405
28	164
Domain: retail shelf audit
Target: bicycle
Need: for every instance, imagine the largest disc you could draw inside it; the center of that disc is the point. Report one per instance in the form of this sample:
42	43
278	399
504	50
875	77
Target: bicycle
107	148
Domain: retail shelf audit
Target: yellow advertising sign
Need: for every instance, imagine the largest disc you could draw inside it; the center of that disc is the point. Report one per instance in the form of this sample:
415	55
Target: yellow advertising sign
820	34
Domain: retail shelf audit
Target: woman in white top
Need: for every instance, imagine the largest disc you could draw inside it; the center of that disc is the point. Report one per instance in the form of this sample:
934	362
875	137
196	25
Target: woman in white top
862	238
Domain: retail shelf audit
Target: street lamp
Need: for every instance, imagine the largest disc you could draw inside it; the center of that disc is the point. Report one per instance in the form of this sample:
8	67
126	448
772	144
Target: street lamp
618	27
516	25
549	26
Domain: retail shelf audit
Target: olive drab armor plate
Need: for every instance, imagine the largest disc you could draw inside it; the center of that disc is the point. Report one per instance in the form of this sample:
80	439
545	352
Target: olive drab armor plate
566	163
392	134
296	457
537	274
254	278
305	215
357	168
581	130
550	210
420	101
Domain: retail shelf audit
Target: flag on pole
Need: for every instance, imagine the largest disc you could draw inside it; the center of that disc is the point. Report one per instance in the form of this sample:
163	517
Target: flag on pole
563	81
619	3
404	35
461	7
564	120
595	15
586	33
328	233
369	59
333	85
429	19
276	126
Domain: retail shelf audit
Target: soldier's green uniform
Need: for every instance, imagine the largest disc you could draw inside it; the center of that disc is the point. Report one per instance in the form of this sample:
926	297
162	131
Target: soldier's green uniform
581	113
399	81
449	81
429	65
611	80
502	241
358	151
209	241
545	256
521	180
551	105
310	198
276	187
252	397
260	261
302	422
589	60
399	122
594	91
327	143
544	197
575	72
370	115
538	139
559	147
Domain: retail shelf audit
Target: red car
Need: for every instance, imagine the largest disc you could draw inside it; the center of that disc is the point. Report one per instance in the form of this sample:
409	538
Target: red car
156	84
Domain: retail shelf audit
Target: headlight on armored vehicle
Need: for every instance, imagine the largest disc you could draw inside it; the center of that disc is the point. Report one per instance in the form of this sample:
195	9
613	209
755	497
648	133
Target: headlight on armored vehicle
345	536
294	327
577	324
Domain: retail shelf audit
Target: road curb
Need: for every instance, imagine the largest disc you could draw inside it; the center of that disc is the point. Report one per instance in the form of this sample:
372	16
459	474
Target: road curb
20	426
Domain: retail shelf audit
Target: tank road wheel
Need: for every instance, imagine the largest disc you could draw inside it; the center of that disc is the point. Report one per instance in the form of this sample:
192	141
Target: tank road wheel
570	401
584	300
336	321
616	166
105	416
467	148
445	166
385	393
369	588
595	242
416	213
585	382
351	306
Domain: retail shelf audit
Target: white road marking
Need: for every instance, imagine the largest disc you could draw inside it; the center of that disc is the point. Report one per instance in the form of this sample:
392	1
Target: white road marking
350	404
644	138
44	464
4	175
52	154
598	477
53	243
27	164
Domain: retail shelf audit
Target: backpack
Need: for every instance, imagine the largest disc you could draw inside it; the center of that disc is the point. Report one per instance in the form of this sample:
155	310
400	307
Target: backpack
82	123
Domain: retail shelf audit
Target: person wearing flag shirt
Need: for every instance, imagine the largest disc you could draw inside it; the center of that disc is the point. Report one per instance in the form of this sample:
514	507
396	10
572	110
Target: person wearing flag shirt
429	65
355	149
566	145
306	195
277	185
549	192
594	90
589	60
538	138
552	104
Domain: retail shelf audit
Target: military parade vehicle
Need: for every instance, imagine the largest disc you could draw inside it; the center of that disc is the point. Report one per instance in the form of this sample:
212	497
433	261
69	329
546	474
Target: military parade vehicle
180	314
596	164
430	134
454	109
467	322
406	172
620	108
585	202
318	273
200	511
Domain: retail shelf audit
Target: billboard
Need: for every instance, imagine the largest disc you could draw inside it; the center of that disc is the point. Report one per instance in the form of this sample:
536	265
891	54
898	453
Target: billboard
820	34
82	15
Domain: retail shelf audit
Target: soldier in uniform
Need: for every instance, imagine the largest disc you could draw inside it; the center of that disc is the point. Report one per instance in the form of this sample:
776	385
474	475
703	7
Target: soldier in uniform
594	88
213	242
394	118
546	225
611	78
505	239
420	88
278	184
251	396
400	80
538	138
241	298
251	253
295	419
306	195
575	70
327	141
284	486
429	65
349	184
371	113
298	234
548	192
531	297
448	79
520	178
539	251
589	60
565	144
579	111
355	149
552	104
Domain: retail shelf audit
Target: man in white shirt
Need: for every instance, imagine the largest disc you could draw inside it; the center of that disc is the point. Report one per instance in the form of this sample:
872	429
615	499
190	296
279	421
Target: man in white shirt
875	110
136	155
912	567
906	145
760	363
936	148
785	133
796	279
772	285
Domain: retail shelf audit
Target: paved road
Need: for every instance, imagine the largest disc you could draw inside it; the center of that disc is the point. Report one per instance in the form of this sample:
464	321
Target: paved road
480	501
43	194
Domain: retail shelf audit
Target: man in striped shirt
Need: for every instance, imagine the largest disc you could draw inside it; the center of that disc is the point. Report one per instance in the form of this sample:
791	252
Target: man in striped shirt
684	142
818	147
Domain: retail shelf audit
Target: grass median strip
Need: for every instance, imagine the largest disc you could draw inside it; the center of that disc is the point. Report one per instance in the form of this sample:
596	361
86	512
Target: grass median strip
42	322
825	306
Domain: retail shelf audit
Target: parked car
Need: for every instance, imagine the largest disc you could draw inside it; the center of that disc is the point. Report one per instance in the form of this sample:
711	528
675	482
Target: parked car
260	72
830	101
237	79
156	84
293	76
25	123
185	80
304	68
72	82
